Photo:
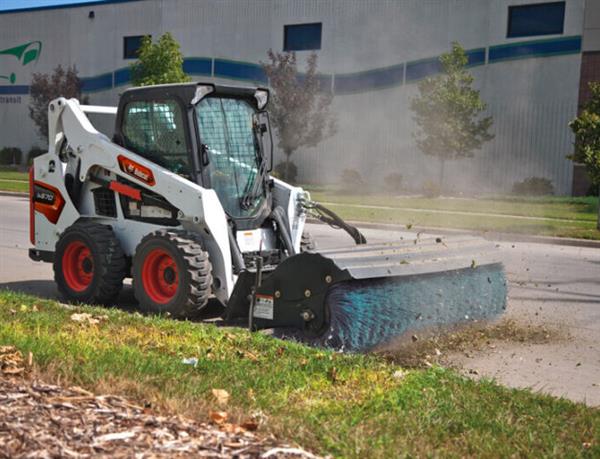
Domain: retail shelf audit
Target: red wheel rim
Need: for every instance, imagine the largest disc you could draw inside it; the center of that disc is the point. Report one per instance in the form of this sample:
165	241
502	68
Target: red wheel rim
78	266
160	276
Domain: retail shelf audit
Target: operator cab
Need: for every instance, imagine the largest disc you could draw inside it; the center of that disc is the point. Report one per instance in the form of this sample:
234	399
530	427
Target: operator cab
217	136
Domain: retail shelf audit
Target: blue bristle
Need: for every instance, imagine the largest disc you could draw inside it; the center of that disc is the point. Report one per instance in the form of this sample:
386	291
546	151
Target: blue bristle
370	312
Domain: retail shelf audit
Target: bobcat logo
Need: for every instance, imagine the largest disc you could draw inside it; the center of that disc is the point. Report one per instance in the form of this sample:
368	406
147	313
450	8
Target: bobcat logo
25	54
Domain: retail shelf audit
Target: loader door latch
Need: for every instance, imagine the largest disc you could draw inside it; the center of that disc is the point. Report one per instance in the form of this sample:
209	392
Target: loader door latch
204	159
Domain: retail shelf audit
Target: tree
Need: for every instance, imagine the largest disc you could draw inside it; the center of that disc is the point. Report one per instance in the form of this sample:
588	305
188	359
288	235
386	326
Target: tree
63	82
447	112
158	63
586	128
299	108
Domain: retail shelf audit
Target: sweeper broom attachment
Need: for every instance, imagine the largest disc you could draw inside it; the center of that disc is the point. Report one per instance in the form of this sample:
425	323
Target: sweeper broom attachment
360	298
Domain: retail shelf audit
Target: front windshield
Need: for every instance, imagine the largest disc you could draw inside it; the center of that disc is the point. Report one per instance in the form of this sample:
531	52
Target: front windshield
226	130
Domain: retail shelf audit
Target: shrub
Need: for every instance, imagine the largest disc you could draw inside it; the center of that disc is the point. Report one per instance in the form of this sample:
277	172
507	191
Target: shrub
351	181
34	153
393	182
534	186
62	82
10	155
279	172
592	190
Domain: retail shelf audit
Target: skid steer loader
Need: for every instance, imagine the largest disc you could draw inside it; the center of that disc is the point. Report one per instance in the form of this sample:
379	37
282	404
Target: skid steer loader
180	199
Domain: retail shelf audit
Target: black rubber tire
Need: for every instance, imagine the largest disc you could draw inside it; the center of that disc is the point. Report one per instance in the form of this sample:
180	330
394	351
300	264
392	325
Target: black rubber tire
194	273
109	264
307	243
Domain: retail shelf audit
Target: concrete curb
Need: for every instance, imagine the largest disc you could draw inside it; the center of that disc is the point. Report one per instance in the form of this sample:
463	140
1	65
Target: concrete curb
490	236
16	194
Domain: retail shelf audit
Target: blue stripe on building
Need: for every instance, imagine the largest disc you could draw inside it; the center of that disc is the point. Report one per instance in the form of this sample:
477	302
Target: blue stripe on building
98	83
476	57
323	79
15	89
198	66
344	83
239	71
423	68
417	70
325	82
370	79
122	76
537	48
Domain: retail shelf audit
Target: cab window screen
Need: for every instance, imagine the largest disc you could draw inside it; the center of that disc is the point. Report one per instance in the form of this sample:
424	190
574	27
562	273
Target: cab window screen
154	130
226	129
536	19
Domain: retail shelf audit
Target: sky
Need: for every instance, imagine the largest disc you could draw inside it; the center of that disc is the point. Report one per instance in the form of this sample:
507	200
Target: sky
18	4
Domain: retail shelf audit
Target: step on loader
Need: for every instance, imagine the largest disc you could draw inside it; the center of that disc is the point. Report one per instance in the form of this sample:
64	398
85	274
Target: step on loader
181	200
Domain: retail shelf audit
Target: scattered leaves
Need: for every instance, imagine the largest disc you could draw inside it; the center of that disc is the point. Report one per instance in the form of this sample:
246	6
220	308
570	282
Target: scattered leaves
218	417
11	361
221	395
40	417
250	424
87	319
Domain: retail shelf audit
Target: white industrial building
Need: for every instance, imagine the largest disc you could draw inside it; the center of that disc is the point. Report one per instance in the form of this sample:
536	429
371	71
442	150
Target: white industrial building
530	59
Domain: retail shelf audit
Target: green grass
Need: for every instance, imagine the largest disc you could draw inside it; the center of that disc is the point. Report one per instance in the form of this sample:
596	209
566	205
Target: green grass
21	187
13	180
563	216
345	405
9	173
580	211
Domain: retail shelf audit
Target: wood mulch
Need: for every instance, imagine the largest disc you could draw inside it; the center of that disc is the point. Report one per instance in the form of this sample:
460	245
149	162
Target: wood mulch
39	420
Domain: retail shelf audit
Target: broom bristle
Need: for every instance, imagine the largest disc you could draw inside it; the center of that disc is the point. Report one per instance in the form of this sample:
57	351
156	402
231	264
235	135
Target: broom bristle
366	313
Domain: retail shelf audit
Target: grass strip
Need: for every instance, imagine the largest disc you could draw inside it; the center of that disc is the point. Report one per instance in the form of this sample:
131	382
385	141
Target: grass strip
581	213
344	405
9	185
10	173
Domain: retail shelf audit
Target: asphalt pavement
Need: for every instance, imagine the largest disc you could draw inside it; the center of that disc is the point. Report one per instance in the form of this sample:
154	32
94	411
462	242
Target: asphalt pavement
549	284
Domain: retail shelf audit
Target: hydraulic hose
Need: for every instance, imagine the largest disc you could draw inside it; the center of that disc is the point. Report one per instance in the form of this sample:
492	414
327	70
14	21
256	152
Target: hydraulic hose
280	218
328	216
236	254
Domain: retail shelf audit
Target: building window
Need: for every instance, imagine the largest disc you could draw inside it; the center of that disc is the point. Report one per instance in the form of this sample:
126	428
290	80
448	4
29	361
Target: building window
302	37
131	46
537	19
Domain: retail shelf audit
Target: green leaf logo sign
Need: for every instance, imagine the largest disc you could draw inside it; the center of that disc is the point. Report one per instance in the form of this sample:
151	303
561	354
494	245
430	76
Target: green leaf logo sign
25	54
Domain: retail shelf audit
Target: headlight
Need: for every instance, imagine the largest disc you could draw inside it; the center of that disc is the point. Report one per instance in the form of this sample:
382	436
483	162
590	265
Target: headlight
201	91
262	97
